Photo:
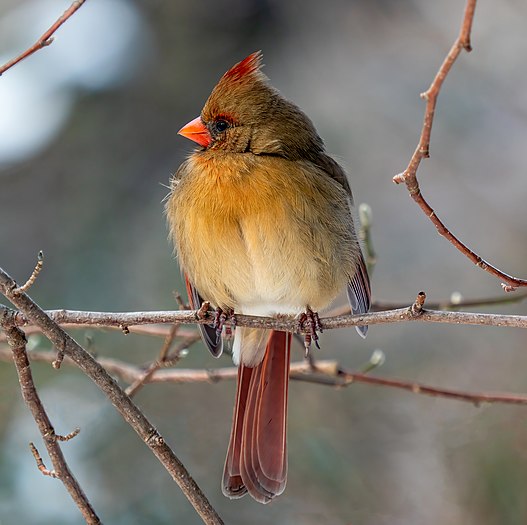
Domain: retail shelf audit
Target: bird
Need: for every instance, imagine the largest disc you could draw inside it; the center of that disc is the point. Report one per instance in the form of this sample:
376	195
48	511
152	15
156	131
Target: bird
261	218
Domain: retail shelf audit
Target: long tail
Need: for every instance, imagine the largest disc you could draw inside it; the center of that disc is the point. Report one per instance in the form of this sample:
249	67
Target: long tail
257	455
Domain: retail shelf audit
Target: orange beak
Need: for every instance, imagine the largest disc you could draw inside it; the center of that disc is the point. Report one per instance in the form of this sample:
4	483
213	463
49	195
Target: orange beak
195	130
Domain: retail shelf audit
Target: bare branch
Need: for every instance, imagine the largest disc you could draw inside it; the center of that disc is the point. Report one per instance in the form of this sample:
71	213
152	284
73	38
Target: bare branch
453	304
128	410
285	323
17	342
409	176
326	372
380	305
46	39
418	388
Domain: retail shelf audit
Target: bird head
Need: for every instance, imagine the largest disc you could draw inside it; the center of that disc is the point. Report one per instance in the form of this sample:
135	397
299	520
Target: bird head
245	114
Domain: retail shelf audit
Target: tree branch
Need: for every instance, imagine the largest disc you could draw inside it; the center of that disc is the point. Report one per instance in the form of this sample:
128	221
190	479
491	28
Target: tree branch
124	320
17	341
409	176
326	372
128	410
454	304
46	39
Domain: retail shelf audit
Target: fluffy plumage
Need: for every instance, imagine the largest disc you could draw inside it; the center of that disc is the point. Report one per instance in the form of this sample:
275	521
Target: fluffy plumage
261	218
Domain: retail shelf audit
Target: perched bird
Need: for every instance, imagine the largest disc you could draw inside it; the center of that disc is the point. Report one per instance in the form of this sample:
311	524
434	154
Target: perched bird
261	218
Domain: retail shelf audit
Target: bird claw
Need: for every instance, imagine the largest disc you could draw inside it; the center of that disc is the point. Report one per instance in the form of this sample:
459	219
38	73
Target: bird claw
310	324
224	318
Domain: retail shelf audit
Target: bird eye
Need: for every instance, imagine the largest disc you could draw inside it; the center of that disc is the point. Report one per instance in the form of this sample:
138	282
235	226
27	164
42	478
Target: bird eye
221	125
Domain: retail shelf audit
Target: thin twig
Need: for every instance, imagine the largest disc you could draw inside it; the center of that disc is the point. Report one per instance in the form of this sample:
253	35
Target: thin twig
156	365
34	274
128	410
152	330
327	372
418	388
69	436
40	463
17	342
46	39
409	176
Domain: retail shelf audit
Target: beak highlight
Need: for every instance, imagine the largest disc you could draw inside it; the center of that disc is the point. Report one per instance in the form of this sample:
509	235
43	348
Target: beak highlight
195	130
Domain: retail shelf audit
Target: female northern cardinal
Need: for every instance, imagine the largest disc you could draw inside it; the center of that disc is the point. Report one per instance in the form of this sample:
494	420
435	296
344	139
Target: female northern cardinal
262	223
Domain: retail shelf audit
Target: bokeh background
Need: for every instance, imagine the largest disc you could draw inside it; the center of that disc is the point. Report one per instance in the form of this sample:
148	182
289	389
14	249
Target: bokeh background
87	145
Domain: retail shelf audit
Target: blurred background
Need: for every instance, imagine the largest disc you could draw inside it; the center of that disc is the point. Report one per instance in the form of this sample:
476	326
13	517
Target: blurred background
87	145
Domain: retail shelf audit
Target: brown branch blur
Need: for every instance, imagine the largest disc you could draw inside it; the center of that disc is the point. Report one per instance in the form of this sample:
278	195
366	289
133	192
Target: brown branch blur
122	402
17	341
409	175
46	39
325	372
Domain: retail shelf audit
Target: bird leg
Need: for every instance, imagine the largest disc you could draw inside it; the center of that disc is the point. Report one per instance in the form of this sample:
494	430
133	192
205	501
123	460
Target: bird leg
310	325
224	318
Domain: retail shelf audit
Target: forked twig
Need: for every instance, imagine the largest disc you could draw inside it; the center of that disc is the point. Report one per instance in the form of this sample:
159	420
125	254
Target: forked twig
128	410
409	175
165	358
17	342
40	463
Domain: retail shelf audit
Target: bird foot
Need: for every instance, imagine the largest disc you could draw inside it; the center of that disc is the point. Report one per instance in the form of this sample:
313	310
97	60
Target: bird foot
310	324
224	318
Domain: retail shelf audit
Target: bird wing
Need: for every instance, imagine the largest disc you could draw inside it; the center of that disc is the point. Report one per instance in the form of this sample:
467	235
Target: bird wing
210	336
359	293
358	289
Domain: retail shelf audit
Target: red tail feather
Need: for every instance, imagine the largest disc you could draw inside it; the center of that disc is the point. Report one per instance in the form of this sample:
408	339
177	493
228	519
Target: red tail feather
257	455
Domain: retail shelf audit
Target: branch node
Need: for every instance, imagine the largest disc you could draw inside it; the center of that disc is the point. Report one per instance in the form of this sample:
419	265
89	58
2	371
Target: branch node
425	152
203	311
480	263
347	377
399	178
508	287
155	439
417	308
413	189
